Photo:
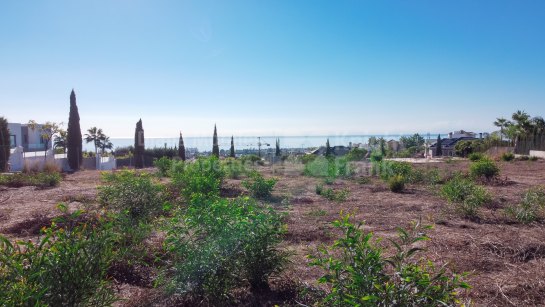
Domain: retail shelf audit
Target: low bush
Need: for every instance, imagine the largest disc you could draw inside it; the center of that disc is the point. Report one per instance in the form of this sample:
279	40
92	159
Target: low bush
531	207
251	160
376	156
389	169
233	168
42	180
200	180
132	193
508	156
431	176
396	184
258	186
328	167
476	156
484	169
308	158
164	165
359	274
223	245
356	154
466	195
65	267
533	158
331	194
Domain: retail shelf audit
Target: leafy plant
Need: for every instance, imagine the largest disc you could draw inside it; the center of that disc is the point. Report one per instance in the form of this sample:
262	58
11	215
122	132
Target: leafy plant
531	207
200	180
41	180
328	167
476	156
258	186
233	168
132	193
466	195
356	154
223	245
507	156
66	267
333	195
484	168
396	184
164	165
359	274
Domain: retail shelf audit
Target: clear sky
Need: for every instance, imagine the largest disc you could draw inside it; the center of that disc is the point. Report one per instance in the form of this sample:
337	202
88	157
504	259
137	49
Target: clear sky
273	67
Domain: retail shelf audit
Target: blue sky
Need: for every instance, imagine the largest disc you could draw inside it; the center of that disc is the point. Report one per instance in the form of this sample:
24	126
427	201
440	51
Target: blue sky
273	67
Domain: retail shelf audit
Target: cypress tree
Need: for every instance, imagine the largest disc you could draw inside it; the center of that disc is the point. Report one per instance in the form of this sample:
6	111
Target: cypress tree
232	150
215	147
4	144
439	146
73	136
139	145
278	153
328	151
181	148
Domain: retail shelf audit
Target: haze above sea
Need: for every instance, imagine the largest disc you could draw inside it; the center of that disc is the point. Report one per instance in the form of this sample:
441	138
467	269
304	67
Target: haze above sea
251	142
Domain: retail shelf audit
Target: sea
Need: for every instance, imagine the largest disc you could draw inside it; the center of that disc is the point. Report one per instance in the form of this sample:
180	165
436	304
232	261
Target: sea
203	144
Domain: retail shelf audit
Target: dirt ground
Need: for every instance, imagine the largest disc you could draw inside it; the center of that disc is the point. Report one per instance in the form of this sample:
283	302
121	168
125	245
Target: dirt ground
505	260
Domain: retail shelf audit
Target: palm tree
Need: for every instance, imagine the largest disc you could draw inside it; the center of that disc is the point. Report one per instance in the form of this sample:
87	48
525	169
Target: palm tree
96	136
538	124
502	123
105	144
59	141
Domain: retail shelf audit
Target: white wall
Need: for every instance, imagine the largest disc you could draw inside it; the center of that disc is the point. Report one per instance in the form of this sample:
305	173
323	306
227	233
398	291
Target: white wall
537	153
15	129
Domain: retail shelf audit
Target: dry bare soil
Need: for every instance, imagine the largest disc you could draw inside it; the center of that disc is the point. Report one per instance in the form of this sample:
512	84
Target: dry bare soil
506	260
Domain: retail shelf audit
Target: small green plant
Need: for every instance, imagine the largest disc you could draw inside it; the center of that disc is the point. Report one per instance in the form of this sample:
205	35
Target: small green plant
531	207
233	168
363	180
476	156
396	184
258	186
200	180
466	195
224	245
485	168
376	156
132	193
67	266
507	156
359	274
356	154
164	165
533	158
331	194
308	158
328	167
41	179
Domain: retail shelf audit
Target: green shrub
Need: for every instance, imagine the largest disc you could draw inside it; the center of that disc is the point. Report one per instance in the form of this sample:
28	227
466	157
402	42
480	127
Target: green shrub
523	158
389	169
233	168
466	195
476	156
66	267
356	154
429	176
359	274
396	184
224	245
42	180
508	156
533	158
308	158
164	165
484	168
331	194
200	180
251	160
258	186
531	207
328	167
376	156
132	193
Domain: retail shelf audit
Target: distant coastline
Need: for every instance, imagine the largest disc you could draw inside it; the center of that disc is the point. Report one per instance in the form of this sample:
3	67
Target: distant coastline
250	142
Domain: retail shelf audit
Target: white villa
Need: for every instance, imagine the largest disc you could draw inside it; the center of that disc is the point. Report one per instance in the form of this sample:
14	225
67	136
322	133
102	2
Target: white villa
29	139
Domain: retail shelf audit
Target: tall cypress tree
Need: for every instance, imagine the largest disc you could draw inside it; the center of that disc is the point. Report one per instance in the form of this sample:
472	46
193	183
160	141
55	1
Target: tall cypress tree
73	136
139	145
232	150
181	148
5	145
215	147
328	151
439	146
278	153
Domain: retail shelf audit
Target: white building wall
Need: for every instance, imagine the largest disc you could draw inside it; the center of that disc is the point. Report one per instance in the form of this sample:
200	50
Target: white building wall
15	129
